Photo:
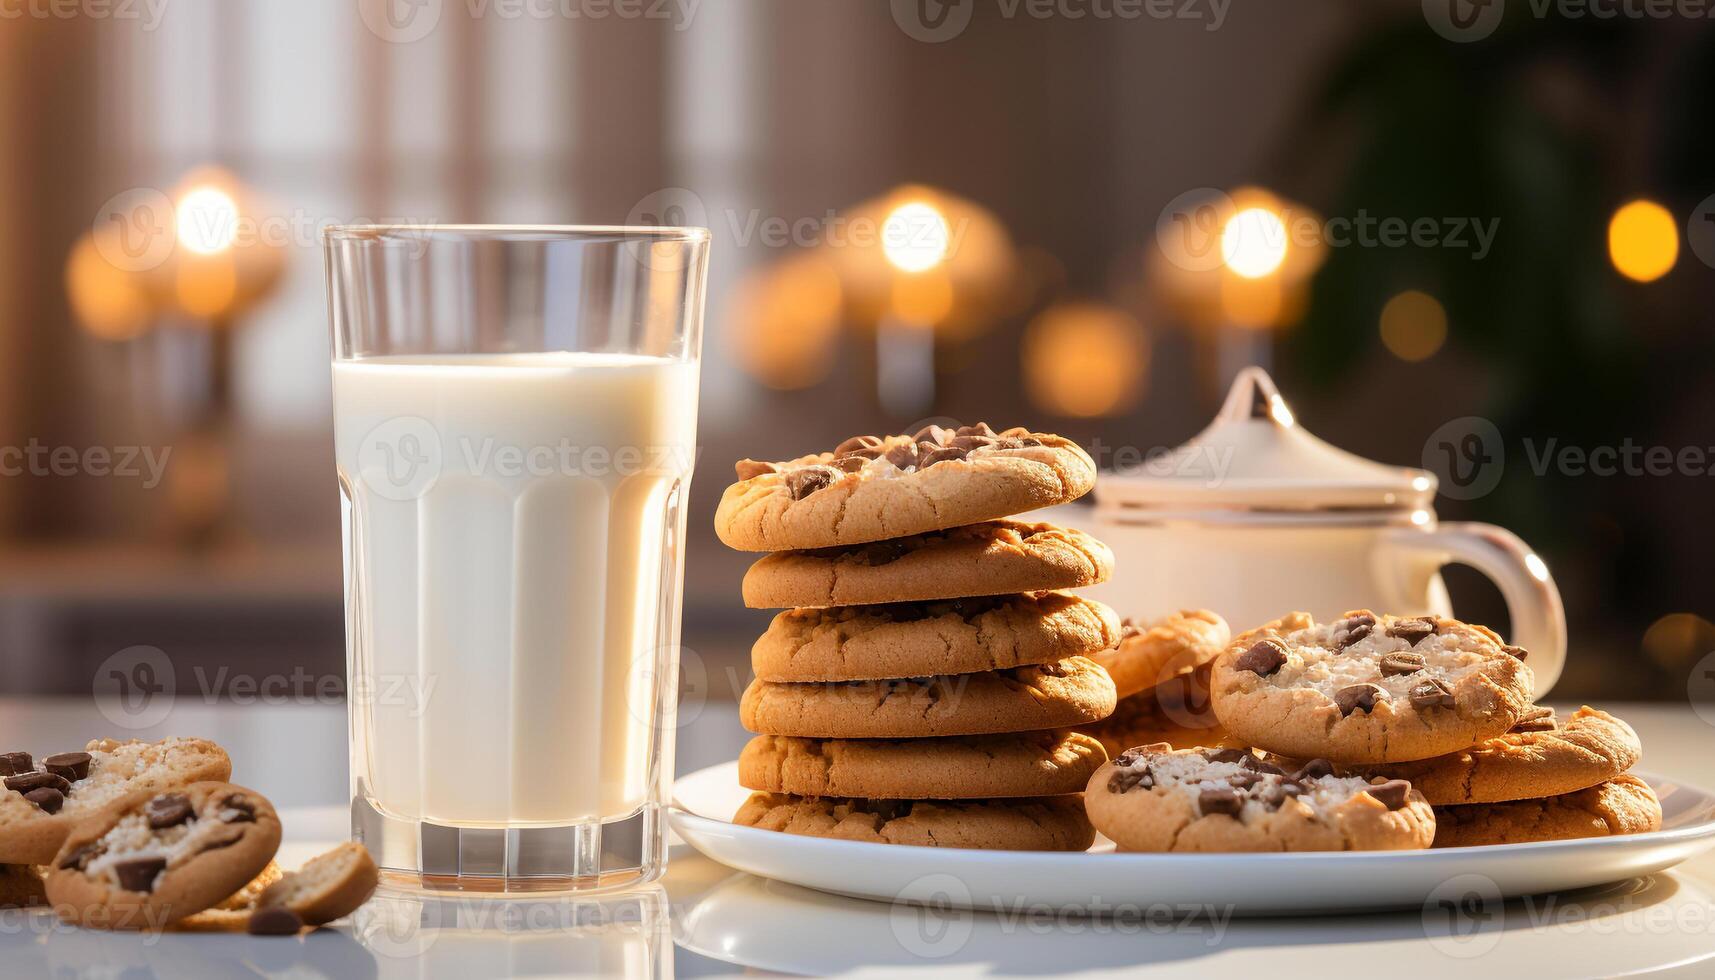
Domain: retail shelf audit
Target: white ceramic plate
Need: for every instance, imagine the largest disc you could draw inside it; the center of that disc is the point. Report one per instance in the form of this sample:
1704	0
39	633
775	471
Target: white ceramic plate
1247	884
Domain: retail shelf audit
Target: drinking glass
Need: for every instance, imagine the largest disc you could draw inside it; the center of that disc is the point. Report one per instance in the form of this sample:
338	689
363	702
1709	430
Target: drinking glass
514	430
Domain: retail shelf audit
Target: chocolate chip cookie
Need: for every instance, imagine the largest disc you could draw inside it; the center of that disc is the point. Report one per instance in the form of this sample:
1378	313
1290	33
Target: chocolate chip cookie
44	798
1176	712
1156	798
1175	645
990	558
1368	688
155	858
21	886
1049	763
1071	692
1541	756
954	636
870	488
1054	823
1622	805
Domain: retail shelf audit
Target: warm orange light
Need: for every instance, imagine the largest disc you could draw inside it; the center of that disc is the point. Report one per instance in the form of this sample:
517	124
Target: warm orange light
915	237
1643	241
924	300
1084	359
1679	639
207	219
107	301
1413	325
1255	303
206	286
1253	242
785	323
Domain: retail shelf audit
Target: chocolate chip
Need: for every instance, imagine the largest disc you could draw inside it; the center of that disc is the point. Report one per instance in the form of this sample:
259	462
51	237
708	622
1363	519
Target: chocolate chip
14	763
1132	755
902	456
1255	764
48	799
1227	801
851	463
942	455
750	469
1124	780
1516	652
274	920
27	781
806	480
1314	769
968	443
80	857
1226	755
1263	658
856	443
72	765
1392	794
1029	441
1245	779
1404	662
1360	697
1351	630
1430	693
1412	630
237	809
168	810
138	874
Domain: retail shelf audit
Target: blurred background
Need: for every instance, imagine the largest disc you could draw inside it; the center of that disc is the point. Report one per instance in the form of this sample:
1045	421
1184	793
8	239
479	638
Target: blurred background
1449	211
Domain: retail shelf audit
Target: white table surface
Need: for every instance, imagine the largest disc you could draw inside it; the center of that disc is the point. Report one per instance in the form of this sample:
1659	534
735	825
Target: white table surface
706	920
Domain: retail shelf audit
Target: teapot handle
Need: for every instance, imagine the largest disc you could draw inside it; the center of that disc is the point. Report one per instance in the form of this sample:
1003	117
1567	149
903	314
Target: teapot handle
1533	602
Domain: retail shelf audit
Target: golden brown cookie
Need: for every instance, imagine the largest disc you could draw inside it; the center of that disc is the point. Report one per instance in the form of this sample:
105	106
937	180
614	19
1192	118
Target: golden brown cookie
328	887
45	798
991	558
1059	695
1542	756
870	488
1368	688
917	639
1170	647
21	886
1155	798
1622	805
1176	712
1050	763
1054	823
154	858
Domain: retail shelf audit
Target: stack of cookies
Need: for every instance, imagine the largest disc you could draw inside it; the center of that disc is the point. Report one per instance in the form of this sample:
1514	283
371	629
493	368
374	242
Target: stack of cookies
921	684
1417	730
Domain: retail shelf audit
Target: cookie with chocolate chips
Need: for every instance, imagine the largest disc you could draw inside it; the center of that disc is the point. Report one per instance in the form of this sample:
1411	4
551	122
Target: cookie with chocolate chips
871	488
1176	712
154	858
1622	805
916	639
1070	692
1156	798
1149	654
21	886
1368	688
1052	823
1541	756
990	558
44	798
1051	763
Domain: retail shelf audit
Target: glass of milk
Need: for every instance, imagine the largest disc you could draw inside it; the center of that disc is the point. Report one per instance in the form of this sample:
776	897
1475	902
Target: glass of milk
515	420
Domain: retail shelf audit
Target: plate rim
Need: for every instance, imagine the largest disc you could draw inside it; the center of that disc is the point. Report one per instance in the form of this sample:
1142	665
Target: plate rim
678	812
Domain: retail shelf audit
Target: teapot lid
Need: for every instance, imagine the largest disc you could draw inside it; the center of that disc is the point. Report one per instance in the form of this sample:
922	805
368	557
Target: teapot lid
1255	455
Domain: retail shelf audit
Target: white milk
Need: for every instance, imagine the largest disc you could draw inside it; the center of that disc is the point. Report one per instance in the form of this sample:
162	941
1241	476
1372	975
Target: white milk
506	605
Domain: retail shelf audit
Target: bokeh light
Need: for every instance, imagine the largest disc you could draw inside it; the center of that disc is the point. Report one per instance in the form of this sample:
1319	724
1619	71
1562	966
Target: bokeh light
1084	359
108	301
1643	241
1253	242
207	219
915	237
784	322
1413	325
1677	640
